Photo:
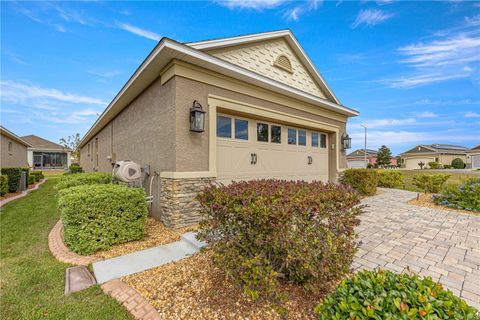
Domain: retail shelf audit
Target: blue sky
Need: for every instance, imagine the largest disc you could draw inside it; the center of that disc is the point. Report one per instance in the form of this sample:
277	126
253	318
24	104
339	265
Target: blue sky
412	69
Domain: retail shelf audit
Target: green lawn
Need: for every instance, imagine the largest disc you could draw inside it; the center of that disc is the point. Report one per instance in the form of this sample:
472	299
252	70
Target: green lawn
31	279
455	178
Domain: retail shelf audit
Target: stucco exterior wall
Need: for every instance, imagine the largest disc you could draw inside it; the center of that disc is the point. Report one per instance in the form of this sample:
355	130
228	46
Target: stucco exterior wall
447	158
17	157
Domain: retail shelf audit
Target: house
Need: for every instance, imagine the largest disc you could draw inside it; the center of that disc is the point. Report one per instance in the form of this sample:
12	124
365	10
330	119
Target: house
46	155
441	153
473	158
245	107
356	159
13	149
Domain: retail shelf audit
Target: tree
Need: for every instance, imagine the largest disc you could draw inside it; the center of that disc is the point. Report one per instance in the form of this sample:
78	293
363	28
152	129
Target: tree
72	142
384	156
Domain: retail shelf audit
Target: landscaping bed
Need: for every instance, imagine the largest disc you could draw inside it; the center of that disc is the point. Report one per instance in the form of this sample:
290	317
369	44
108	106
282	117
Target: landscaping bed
425	200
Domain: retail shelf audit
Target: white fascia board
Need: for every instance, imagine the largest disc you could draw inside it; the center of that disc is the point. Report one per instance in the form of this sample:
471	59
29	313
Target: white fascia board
13	136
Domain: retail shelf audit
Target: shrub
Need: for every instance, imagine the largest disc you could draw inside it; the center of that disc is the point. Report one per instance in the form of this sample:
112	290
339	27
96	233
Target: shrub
95	217
3	185
38	175
390	178
388	295
434	165
447	166
14	175
465	196
430	183
75	168
31	179
363	180
263	231
77	179
458	163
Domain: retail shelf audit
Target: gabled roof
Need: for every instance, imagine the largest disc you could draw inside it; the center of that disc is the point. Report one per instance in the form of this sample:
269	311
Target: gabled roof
168	49
13	136
440	148
39	143
475	149
361	152
256	37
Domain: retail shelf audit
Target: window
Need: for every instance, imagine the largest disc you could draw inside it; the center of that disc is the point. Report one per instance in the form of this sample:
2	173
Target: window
224	127
302	138
276	134
262	132
323	140
10	146
314	139
292	136
241	129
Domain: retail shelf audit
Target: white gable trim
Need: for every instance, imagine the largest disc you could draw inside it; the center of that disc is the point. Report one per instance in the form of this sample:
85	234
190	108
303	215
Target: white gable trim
287	35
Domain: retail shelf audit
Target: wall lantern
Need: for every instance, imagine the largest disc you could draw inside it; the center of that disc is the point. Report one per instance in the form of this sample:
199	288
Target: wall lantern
346	141
197	117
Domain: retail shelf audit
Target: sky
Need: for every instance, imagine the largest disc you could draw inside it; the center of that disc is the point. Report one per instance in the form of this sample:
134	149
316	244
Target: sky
412	69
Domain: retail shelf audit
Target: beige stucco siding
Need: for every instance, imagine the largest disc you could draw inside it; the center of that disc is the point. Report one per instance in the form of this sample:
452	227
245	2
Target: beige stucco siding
259	57
16	157
447	158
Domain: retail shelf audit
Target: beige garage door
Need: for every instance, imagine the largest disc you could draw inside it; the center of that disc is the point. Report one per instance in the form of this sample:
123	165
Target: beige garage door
475	161
254	149
412	163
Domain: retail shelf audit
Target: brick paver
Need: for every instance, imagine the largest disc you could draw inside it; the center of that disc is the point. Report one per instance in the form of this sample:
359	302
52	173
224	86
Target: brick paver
439	243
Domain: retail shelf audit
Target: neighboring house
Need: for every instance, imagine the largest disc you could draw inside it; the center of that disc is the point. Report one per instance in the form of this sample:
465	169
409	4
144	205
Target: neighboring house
473	158
441	153
46	155
13	149
268	114
356	159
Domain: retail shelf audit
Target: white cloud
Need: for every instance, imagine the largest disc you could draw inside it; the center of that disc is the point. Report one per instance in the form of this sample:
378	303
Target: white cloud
426	114
471	114
422	79
379	123
371	17
295	12
139	32
104	74
251	4
292	10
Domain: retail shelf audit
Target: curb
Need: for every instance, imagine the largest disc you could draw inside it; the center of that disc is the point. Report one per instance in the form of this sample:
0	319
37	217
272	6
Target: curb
23	194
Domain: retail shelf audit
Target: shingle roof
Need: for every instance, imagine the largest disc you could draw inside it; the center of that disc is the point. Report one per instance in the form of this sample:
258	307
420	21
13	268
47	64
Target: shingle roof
361	151
40	143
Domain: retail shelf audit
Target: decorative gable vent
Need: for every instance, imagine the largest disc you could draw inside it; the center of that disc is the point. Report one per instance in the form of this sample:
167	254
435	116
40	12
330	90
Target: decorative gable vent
283	62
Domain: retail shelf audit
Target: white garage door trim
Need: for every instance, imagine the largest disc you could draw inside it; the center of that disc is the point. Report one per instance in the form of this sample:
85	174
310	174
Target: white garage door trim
415	161
234	106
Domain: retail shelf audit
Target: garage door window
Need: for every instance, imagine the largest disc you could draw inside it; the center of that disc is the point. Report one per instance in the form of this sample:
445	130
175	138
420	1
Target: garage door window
292	136
276	134
323	140
262	132
224	127
241	129
302	138
314	139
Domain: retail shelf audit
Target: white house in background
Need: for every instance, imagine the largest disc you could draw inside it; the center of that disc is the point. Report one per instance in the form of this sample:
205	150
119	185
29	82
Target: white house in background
473	158
46	155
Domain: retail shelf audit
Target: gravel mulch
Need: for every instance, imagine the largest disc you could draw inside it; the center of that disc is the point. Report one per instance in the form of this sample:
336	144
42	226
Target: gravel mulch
193	288
425	200
156	234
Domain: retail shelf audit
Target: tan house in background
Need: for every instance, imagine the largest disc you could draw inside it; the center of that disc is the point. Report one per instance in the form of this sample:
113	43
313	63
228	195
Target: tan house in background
441	153
13	149
473	158
46	155
268	113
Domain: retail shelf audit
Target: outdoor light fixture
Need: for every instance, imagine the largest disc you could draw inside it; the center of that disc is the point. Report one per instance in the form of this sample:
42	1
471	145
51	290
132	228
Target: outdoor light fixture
197	117
346	141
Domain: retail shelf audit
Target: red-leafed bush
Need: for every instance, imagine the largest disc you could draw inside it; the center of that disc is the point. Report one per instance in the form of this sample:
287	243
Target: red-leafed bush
267	230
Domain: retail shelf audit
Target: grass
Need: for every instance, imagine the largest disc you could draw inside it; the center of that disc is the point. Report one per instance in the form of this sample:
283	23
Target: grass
455	178
31	279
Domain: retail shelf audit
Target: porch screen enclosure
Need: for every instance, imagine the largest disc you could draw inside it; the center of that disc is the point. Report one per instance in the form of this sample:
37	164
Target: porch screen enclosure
46	160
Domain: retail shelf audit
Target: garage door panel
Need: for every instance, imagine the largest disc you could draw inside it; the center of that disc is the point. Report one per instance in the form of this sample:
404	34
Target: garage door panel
412	163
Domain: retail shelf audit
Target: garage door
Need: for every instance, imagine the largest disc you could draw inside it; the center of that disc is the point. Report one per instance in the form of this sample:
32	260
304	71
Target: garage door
412	163
253	149
356	163
475	161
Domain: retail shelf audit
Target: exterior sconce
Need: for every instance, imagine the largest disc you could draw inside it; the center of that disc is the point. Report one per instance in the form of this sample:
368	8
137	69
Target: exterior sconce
346	141
197	117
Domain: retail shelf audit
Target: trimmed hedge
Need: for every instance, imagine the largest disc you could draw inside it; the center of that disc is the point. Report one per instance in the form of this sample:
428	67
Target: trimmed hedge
38	175
31	179
387	295
434	165
430	183
14	175
78	179
390	178
262	231
95	217
3	185
363	180
465	196
458	163
75	168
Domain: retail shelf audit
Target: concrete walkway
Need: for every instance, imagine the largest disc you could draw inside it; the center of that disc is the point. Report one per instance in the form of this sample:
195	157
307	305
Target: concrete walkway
139	261
432	242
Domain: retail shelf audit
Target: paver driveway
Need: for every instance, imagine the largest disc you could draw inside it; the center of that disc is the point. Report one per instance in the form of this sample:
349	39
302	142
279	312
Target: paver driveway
432	242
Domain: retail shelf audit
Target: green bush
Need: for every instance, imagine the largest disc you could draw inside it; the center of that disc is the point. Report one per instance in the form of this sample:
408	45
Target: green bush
38	175
465	196
447	166
263	231
78	179
14	175
363	180
31	179
3	185
388	295
430	183
75	168
390	178
434	165
458	163
95	217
